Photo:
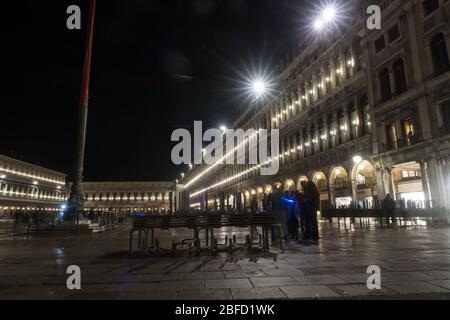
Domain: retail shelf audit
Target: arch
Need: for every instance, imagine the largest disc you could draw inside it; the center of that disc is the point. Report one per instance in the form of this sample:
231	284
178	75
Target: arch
439	54
299	181
268	189
289	185
320	180
340	187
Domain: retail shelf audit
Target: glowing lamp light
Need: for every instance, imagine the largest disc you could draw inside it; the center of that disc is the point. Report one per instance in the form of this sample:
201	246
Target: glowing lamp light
223	128
329	13
259	87
357	159
318	24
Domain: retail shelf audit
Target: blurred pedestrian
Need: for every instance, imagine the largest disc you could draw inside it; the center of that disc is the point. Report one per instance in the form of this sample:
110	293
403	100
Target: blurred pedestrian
312	206
389	208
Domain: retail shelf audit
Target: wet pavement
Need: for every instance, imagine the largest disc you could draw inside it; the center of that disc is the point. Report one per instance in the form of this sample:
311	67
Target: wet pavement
414	263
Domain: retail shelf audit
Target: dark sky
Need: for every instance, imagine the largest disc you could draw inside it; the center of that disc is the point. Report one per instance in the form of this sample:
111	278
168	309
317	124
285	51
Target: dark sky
137	97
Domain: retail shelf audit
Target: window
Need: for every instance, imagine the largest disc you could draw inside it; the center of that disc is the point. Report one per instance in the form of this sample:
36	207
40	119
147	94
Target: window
341	127
411	174
360	179
393	33
365	114
409	131
380	44
391	133
429	6
439	54
399	76
385	85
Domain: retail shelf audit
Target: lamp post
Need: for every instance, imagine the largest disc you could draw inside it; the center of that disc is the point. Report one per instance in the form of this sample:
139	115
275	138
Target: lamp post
76	201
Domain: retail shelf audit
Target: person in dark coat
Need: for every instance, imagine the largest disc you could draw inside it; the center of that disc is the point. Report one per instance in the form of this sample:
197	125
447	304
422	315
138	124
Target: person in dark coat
300	202
278	210
265	203
312	205
292	217
389	208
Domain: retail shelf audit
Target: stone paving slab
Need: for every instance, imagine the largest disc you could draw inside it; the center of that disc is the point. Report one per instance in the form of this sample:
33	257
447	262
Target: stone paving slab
315	291
272	281
229	283
413	287
258	293
206	294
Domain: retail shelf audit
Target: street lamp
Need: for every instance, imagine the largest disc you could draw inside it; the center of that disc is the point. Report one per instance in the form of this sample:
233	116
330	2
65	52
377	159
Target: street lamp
329	13
318	25
259	87
327	16
357	159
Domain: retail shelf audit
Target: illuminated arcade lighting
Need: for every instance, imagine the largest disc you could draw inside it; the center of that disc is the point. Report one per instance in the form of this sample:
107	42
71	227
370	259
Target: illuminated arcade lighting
357	159
3	176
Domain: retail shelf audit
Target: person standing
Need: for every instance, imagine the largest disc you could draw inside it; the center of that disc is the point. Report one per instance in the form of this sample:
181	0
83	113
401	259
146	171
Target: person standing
312	205
300	202
389	208
279	213
292	218
265	201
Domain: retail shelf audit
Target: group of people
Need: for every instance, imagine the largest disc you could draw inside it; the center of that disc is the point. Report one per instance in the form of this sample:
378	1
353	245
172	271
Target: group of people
294	211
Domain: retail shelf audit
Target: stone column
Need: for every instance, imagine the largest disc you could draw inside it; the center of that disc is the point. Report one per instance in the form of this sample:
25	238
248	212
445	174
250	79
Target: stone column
325	132
425	181
336	128
346	124
436	183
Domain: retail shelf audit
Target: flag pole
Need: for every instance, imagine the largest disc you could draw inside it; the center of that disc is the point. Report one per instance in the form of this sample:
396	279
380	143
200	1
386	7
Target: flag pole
76	201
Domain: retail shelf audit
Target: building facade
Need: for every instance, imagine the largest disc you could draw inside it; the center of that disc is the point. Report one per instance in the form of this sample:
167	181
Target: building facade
361	114
129	197
25	187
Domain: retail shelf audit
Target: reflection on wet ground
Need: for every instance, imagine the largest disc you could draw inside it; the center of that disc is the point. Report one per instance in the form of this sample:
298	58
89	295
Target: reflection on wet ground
414	262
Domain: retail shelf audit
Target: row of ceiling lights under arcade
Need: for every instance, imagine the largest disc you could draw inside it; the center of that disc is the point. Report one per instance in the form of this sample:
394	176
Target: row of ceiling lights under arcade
311	91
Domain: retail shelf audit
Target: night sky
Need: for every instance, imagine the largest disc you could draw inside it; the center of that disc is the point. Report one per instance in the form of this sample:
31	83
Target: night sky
158	65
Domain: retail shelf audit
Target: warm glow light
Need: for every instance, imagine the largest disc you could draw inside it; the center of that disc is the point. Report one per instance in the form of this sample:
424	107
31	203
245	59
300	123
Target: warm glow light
357	159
